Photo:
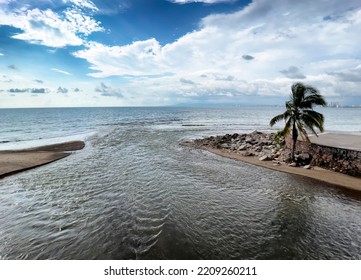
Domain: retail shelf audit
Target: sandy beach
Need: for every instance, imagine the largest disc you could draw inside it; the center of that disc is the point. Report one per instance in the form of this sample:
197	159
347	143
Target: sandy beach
328	176
12	162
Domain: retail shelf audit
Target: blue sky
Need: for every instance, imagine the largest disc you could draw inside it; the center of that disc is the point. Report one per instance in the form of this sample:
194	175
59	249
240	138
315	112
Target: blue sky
56	53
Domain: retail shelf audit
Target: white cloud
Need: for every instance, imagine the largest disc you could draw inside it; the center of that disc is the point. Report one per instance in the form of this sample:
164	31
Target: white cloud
61	71
201	1
62	90
319	37
43	27
293	72
85	4
139	58
108	91
49	28
80	23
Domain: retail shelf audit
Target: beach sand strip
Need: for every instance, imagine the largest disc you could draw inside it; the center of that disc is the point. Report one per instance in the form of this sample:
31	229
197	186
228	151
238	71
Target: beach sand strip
324	175
12	162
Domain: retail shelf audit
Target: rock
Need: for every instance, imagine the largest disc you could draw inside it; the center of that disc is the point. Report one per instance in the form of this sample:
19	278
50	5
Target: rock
242	147
293	164
261	145
303	159
258	149
265	158
248	140
267	148
266	142
307	166
233	147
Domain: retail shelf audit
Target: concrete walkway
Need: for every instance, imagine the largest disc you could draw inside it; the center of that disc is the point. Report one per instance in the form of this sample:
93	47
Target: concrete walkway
346	141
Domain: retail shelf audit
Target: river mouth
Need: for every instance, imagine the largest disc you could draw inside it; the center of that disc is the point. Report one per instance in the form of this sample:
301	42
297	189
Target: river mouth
134	193
137	194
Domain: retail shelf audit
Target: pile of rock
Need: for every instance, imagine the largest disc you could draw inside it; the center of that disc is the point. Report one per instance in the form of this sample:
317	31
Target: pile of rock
257	144
267	148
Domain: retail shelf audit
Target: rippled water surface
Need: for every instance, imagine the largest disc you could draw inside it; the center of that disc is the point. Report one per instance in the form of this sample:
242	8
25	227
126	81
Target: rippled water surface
134	193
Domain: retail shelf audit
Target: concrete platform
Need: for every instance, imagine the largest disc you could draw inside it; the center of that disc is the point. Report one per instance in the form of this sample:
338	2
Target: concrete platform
346	141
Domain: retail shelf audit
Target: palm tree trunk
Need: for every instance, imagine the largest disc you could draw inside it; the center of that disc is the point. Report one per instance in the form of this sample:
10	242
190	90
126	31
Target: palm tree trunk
294	138
293	150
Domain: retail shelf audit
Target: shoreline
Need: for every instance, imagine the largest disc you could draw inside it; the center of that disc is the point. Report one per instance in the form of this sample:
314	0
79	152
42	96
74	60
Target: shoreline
15	161
317	173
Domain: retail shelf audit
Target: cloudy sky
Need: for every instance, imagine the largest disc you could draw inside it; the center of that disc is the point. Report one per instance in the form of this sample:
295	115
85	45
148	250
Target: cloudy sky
176	52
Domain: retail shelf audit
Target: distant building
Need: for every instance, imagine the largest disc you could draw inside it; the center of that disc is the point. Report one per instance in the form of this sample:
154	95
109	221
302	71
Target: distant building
334	105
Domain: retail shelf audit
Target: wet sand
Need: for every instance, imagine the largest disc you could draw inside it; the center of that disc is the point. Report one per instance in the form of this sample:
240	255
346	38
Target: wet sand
317	173
12	162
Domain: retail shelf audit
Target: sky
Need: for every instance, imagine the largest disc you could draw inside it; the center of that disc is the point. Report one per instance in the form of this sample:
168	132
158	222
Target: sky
74	53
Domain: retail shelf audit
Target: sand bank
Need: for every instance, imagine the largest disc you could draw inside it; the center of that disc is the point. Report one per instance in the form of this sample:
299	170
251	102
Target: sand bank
317	173
12	162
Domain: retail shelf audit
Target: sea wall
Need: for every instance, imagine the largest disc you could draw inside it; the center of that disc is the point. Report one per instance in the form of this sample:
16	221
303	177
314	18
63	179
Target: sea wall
265	147
337	159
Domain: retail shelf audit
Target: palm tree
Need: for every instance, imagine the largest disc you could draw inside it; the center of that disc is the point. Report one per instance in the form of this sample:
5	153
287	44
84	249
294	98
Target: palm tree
299	113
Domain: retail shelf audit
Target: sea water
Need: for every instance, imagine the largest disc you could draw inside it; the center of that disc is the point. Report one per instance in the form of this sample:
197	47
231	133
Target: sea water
134	193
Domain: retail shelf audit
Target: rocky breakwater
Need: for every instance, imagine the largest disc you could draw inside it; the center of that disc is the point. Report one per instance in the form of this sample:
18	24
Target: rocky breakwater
255	144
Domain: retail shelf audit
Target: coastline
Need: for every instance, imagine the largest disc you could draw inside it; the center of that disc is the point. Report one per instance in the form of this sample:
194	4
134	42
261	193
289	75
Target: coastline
317	173
15	161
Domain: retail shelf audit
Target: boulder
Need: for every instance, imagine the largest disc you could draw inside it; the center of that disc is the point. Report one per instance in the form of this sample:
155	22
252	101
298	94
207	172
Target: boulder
233	147
248	140
265	158
258	149
242	147
303	159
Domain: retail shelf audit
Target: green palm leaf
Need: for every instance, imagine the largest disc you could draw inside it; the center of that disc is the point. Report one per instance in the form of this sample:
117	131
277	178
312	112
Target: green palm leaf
299	114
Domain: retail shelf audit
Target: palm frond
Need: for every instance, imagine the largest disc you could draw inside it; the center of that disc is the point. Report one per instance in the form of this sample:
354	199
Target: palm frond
299	114
313	120
289	106
287	128
302	131
309	90
277	118
313	99
315	117
298	93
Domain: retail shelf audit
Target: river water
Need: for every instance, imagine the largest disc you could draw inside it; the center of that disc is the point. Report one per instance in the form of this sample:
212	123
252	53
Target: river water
134	193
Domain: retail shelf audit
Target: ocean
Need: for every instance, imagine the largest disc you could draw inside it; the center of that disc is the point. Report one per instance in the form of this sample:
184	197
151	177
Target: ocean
134	193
